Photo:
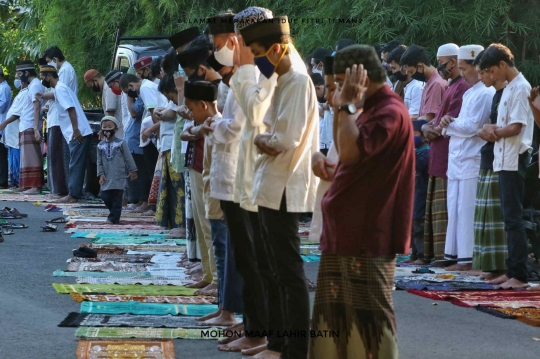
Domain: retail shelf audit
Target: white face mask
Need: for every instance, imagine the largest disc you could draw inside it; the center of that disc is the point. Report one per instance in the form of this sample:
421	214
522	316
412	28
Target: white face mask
315	71
225	56
17	83
53	64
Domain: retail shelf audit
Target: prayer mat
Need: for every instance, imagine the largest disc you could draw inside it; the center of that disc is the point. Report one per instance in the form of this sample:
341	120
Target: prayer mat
74	320
310	250
446	286
491	298
171	247
124	258
149	333
75	222
178	299
178	281
130	235
137	240
121	226
117	231
530	316
65	288
126	349
137	308
98	212
19	197
105	267
59	273
311	258
444	277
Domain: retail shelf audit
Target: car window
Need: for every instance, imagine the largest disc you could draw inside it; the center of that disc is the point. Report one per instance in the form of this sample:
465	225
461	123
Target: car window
124	64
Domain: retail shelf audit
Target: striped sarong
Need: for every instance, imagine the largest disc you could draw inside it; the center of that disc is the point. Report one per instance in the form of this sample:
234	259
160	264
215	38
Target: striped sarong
170	207
56	175
154	188
490	249
436	218
31	174
353	301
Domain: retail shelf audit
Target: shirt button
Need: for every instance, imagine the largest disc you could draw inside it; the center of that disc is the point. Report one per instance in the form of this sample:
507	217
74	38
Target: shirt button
500	149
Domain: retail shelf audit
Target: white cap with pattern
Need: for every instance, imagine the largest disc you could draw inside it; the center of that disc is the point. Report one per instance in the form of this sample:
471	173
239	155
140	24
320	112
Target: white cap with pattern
448	50
251	15
469	52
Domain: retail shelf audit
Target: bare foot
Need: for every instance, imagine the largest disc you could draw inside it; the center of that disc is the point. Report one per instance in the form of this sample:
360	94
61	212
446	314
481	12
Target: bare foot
410	260
226	318
68	199
232	333
459	267
132	206
200	284
149	213
536	288
53	196
107	222
474	272
421	262
177	233
513	283
143	207
32	191
254	350
216	314
499	280
241	344
210	288
267	354
490	275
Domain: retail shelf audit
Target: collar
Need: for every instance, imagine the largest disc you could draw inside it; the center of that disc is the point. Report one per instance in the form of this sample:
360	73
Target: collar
455	81
285	76
380	94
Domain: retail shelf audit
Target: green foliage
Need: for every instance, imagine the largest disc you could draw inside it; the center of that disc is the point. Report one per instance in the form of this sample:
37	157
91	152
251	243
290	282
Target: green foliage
85	30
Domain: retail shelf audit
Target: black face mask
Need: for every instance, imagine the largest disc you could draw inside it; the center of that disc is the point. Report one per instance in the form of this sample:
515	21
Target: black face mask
443	71
389	73
419	76
108	133
399	76
24	78
46	84
196	77
132	93
96	88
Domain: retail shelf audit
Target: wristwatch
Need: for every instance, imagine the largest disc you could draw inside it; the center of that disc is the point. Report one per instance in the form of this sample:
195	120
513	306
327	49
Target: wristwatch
350	108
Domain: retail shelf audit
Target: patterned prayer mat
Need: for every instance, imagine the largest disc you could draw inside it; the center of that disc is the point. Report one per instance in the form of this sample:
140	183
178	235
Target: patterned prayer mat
128	289
124	258
111	248
76	222
445	286
491	298
177	281
112	234
311	258
19	197
121	227
59	273
530	316
309	249
118	231
149	333
443	277
74	320
137	240
125	349
137	308
98	212
178	299
105	267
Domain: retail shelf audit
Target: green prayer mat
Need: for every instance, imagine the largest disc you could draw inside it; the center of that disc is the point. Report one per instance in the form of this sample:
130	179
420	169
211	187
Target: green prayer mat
130	289
141	247
137	240
311	258
148	333
138	308
60	273
125	235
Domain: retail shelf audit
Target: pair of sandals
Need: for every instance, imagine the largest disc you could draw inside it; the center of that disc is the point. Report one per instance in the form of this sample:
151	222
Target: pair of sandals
11	213
52	225
6	228
52	208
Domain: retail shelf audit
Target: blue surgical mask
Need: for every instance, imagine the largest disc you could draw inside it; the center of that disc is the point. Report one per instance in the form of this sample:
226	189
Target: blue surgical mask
418	141
17	83
266	66
334	53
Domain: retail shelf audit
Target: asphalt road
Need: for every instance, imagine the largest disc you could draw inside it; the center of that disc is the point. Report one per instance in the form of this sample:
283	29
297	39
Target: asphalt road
30	310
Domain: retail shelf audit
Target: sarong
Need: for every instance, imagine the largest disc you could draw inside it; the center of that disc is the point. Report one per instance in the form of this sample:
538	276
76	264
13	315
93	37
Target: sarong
14	161
154	188
490	249
353	303
192	249
31	175
56	175
170	208
436	219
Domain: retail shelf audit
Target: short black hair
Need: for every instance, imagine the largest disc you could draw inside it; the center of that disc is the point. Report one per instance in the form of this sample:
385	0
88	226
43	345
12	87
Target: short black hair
360	54
53	52
478	59
201	41
391	46
126	79
414	55
396	54
155	67
343	43
320	53
496	53
170	62
268	41
317	79
167	85
42	61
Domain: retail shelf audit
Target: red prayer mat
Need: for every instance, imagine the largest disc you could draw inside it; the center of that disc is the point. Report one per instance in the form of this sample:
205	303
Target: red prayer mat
490	298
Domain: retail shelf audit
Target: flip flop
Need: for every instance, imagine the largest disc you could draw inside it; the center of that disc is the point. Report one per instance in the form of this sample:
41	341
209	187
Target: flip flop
6	230
57	220
49	228
55	209
15	212
9	216
13	225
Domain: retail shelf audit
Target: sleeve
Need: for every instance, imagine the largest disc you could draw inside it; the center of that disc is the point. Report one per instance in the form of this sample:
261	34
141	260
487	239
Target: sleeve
377	134
100	170
434	98
293	116
149	97
33	90
468	125
416	100
457	100
520	112
110	100
16	107
253	98
228	130
5	99
138	106
62	97
128	158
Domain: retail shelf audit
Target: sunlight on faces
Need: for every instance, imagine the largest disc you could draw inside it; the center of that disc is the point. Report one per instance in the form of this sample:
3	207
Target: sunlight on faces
468	72
273	54
497	73
199	110
108	125
220	40
330	88
143	72
485	77
411	70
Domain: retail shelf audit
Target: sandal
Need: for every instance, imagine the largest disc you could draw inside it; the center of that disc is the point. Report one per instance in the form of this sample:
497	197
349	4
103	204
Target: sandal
49	228
54	209
57	220
13	211
6	230
4	215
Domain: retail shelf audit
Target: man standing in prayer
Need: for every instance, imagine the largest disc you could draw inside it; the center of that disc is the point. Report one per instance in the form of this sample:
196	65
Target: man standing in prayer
75	129
5	102
362	233
143	68
436	205
513	134
464	160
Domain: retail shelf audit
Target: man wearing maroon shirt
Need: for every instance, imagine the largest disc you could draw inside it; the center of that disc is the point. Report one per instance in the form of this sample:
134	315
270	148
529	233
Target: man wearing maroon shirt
367	212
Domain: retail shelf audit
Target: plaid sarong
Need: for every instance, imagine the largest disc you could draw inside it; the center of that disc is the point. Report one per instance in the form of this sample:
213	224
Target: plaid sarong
436	218
56	175
354	300
31	174
170	212
490	250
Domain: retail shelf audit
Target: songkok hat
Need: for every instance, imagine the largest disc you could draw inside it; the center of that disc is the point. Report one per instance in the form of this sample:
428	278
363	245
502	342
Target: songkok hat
109	118
112	75
469	52
221	24
143	62
200	91
185	36
448	50
352	55
251	15
211	60
44	68
417	125
193	57
90	74
25	66
328	65
270	27
320	53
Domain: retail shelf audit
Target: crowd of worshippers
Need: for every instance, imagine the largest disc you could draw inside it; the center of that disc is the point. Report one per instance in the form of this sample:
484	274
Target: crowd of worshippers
232	135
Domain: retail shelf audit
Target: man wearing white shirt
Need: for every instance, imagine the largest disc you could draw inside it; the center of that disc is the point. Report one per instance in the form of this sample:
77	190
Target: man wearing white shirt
464	160
5	102
75	129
